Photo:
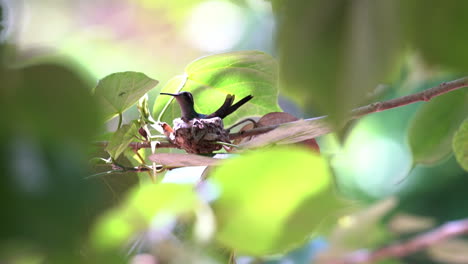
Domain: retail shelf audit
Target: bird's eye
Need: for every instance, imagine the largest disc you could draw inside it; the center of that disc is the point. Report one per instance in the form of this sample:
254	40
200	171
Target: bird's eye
191	96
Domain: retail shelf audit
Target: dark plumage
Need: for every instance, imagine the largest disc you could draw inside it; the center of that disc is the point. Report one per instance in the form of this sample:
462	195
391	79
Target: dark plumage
187	106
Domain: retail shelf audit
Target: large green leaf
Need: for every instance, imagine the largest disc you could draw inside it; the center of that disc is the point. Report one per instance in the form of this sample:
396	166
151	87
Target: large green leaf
52	101
146	206
432	128
460	145
211	78
438	30
272	200
119	91
48	118
334	52
121	138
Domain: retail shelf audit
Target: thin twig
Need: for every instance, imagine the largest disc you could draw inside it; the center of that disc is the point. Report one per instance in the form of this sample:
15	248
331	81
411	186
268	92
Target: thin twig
420	242
252	132
140	145
242	122
425	96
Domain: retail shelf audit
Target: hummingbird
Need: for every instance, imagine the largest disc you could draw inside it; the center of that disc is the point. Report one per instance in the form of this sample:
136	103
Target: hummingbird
187	106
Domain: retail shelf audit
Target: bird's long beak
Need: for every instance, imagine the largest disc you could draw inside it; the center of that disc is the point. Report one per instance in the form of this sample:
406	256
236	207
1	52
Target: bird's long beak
169	94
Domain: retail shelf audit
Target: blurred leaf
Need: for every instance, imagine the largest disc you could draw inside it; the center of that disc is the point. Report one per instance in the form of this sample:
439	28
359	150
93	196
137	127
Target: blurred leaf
460	145
434	124
272	200
51	116
403	223
293	132
360	230
182	160
54	102
276	118
210	78
334	52
121	138
113	186
146	206
454	250
438	30
119	91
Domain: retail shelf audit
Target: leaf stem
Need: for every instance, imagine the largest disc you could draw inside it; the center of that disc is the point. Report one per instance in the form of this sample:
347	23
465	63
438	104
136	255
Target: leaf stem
120	121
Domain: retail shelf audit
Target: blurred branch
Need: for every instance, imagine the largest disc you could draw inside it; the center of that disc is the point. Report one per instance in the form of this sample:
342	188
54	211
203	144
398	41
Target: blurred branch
425	96
420	242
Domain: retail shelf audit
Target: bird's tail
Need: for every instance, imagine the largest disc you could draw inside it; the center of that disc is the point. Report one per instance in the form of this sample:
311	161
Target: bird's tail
228	108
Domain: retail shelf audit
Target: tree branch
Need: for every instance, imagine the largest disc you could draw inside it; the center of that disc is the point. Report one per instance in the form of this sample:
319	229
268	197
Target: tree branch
420	242
425	95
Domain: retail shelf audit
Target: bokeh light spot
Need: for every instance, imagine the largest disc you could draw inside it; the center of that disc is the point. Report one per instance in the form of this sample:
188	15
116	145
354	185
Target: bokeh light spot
215	26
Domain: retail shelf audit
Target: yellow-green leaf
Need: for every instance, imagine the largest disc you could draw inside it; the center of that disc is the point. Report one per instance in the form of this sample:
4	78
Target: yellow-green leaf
432	128
119	91
211	78
121	138
272	200
140	210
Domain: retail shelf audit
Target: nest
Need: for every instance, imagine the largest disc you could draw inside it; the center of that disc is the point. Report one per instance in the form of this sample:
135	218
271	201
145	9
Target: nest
199	136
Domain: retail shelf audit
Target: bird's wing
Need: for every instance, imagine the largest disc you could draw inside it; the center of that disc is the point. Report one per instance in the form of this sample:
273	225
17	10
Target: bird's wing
235	106
227	103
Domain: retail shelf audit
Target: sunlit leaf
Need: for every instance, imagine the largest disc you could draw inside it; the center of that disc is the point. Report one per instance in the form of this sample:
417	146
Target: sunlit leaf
460	145
182	160
121	138
432	128
146	206
119	91
438	31
334	52
272	200
211	78
291	133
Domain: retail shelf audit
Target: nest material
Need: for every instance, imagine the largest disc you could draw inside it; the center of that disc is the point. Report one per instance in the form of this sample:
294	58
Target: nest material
199	135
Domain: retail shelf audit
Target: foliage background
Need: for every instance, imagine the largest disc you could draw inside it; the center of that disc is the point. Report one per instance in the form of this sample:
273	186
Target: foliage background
333	56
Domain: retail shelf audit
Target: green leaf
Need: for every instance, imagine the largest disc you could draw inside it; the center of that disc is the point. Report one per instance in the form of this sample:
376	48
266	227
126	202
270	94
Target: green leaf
437	29
272	200
121	138
434	124
334	52
146	206
211	78
118	91
460	145
52	101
